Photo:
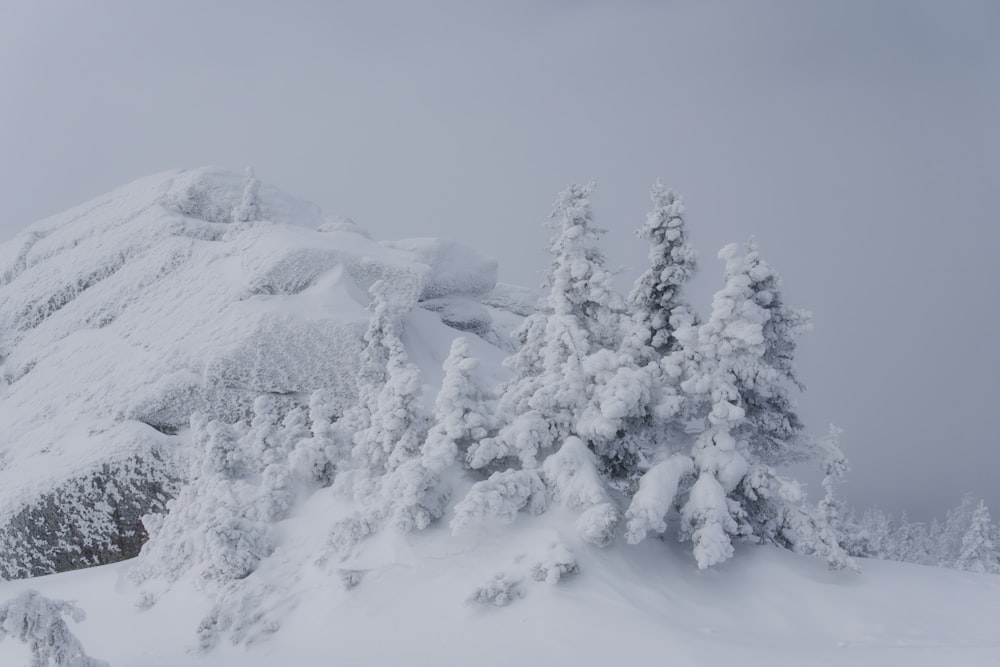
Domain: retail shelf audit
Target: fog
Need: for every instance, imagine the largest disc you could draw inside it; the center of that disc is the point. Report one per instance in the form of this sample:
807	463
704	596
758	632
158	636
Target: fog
857	141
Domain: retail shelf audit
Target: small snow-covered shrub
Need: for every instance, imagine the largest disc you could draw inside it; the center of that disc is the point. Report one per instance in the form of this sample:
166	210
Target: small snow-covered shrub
499	591
557	562
350	578
38	622
500	497
347	532
245	614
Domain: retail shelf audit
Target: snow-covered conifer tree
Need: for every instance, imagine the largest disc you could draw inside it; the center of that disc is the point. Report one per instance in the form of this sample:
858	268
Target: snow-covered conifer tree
579	315
248	209
382	334
745	353
751	338
979	552
397	427
634	418
417	490
220	521
935	537
385	474
391	428
870	535
658	308
569	389
911	542
627	407
459	411
835	467
315	457
580	288
709	517
956	525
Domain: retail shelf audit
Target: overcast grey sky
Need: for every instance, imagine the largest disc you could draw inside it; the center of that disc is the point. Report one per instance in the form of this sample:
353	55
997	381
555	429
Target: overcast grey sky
857	140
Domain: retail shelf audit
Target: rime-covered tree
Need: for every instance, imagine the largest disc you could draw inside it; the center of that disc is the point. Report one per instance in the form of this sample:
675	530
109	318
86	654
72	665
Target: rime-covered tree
381	338
634	418
385	474
967	530
709	518
460	417
870	535
219	522
580	287
249	207
563	397
762	371
390	428
418	491
835	468
979	552
956	525
318	453
245	479
744	354
623	417
578	316
656	301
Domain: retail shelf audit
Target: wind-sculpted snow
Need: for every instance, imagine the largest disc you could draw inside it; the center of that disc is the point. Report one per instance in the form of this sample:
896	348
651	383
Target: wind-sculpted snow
189	291
455	268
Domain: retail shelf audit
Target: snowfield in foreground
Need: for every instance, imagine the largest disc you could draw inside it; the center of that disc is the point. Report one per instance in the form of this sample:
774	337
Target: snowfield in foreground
415	605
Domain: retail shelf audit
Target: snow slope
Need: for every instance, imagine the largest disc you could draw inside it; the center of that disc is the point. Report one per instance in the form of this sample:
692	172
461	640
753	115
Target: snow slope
625	605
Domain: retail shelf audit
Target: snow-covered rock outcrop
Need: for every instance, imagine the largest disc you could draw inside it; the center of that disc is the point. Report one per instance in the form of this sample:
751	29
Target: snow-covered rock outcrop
188	291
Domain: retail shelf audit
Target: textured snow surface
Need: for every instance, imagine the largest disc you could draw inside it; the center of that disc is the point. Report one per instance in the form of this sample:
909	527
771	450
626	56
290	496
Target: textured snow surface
536	595
149	303
455	268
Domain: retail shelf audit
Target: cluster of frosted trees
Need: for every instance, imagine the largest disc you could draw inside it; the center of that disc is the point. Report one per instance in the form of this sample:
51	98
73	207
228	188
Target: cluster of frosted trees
967	539
634	413
629	412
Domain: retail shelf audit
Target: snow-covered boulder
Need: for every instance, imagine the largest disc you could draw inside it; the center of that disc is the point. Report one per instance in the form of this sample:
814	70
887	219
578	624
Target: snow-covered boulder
192	290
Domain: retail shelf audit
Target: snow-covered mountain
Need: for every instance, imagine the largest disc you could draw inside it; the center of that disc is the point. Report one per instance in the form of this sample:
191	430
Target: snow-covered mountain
299	432
123	316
